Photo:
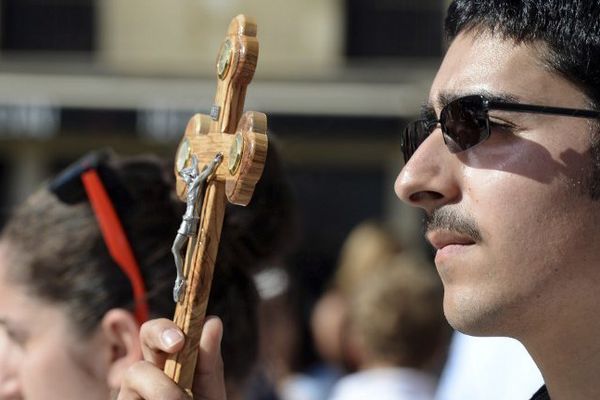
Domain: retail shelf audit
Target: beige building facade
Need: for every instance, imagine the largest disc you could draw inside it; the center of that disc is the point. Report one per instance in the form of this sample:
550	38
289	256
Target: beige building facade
183	36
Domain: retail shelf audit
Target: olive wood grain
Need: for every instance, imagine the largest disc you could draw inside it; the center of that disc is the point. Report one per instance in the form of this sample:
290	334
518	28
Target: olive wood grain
206	136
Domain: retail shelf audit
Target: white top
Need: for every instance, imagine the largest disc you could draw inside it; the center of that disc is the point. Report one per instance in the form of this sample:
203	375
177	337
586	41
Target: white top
491	368
316	384
385	384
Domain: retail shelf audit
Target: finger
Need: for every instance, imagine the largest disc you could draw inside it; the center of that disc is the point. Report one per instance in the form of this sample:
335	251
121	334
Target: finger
209	381
144	381
160	337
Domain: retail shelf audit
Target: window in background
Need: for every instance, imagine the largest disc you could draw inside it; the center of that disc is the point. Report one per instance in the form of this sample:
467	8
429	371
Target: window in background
48	25
394	28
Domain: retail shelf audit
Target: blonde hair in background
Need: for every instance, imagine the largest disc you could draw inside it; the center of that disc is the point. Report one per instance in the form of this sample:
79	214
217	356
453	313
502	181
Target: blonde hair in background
368	244
396	312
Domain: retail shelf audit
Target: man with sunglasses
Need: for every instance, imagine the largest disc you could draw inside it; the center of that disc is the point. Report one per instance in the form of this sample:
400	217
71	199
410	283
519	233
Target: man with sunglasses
505	162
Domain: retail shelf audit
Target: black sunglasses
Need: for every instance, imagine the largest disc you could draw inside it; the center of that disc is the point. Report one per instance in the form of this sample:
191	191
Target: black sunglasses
465	122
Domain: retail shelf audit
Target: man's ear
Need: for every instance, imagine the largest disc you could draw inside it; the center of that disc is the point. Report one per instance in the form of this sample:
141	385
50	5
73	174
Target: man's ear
121	332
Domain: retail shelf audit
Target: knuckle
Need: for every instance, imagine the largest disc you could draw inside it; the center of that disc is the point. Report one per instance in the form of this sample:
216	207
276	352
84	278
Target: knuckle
135	369
154	327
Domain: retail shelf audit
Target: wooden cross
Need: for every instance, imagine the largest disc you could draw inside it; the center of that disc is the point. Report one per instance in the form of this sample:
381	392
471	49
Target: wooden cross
242	141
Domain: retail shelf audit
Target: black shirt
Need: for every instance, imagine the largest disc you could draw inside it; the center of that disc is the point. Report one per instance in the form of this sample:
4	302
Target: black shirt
541	394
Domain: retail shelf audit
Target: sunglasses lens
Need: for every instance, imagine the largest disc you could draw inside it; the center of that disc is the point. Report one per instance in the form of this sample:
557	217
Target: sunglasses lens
464	123
415	133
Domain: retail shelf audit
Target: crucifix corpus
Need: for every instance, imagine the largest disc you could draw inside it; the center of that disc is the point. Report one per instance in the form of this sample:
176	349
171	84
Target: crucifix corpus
219	159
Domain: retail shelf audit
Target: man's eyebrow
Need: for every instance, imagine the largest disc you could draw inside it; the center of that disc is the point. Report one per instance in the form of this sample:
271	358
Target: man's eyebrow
444	98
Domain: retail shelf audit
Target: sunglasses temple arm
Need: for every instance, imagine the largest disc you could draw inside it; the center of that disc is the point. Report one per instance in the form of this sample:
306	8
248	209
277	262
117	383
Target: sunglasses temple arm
535	109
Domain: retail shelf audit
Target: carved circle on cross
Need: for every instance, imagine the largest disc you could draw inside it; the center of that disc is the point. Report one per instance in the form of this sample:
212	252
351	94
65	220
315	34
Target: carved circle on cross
235	153
224	59
183	154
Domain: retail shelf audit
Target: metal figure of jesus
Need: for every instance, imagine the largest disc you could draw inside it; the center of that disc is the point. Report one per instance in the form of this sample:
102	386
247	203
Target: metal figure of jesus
195	181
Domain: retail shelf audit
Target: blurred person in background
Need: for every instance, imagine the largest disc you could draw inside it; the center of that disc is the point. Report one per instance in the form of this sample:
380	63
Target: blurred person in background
395	332
284	348
69	322
368	244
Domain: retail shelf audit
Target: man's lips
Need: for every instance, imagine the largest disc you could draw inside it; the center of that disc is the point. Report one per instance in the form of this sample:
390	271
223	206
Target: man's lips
442	238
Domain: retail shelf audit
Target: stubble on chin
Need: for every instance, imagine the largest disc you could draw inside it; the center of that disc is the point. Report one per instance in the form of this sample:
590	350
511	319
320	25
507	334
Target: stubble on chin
479	314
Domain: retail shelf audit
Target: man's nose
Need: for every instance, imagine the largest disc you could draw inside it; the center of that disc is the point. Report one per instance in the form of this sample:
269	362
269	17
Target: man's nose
430	177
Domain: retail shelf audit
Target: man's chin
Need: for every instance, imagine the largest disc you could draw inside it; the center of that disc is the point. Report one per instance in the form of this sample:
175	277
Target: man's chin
473	319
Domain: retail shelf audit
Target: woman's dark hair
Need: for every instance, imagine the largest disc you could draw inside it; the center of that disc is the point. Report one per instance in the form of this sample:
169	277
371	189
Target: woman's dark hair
61	257
57	252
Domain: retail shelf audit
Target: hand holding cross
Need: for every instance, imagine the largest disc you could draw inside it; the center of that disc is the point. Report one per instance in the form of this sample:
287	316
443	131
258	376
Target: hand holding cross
235	146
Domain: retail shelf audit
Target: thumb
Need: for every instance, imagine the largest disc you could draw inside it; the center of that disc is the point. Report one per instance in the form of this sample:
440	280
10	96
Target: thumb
209	379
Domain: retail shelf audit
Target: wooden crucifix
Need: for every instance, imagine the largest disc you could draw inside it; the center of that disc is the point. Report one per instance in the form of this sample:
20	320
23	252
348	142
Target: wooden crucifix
227	151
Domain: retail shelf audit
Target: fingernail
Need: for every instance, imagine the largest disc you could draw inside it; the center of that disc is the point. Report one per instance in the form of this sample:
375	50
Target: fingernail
170	337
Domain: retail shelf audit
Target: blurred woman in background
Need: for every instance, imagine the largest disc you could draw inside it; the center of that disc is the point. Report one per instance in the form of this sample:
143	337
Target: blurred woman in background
70	310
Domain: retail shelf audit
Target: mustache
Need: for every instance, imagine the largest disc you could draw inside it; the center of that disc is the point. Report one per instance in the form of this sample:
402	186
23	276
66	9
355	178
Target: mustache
451	219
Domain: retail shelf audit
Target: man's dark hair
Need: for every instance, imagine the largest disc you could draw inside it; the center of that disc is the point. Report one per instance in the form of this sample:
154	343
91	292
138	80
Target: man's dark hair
569	30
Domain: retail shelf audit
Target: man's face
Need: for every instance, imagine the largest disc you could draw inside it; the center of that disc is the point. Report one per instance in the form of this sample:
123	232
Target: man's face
515	230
